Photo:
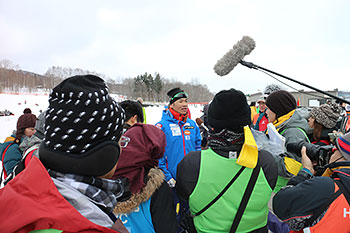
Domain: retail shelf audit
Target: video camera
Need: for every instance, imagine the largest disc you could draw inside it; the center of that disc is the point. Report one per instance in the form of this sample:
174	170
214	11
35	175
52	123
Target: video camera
316	153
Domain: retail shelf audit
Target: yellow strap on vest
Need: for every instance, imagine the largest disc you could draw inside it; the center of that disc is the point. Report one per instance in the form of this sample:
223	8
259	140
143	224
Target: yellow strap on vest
292	165
248	157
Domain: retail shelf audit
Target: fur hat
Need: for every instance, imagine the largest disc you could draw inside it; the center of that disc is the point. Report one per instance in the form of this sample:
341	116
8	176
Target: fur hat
82	128
175	94
326	115
26	120
343	144
229	110
281	102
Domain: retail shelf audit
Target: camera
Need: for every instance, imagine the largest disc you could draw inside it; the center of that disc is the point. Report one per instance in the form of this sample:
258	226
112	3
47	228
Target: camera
316	153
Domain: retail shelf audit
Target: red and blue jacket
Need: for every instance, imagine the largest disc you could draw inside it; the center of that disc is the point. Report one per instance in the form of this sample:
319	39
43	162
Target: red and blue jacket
181	138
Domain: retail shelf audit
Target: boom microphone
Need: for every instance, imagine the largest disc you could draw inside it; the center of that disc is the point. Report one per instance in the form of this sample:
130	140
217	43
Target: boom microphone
242	48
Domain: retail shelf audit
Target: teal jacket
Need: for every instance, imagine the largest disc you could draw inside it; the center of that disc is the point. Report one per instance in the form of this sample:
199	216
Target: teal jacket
12	156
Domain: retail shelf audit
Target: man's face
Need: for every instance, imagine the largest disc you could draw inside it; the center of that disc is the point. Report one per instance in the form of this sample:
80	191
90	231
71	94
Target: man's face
180	106
262	106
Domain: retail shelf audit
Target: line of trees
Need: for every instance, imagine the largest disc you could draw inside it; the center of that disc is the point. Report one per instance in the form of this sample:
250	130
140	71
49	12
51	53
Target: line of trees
150	87
154	88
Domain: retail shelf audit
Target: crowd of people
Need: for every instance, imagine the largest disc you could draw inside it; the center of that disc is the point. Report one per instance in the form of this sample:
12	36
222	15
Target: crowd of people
90	164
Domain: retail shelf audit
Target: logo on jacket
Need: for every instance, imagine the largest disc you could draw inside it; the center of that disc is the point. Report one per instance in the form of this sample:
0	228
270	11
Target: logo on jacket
187	132
175	129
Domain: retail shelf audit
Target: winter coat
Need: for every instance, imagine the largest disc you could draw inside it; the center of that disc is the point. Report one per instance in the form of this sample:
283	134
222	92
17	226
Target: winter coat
181	137
294	129
12	156
290	129
188	176
305	194
150	210
29	148
261	122
32	201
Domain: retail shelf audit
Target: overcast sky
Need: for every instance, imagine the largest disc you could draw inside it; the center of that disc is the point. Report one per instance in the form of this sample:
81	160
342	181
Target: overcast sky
307	40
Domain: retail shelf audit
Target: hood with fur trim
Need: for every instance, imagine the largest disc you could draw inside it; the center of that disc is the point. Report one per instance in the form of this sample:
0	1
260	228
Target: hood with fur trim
155	179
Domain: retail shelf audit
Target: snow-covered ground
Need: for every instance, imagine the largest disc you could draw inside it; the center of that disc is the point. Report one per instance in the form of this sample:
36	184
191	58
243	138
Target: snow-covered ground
17	103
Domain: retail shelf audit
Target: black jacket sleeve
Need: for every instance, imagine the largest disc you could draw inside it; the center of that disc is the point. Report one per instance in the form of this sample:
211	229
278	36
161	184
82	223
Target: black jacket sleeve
269	167
162	210
187	175
303	198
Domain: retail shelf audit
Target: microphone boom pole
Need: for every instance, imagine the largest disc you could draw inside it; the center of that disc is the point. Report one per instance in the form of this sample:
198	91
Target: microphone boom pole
256	67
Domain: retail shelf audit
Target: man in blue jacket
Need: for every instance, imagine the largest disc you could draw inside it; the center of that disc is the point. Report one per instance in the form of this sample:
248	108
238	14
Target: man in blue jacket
182	133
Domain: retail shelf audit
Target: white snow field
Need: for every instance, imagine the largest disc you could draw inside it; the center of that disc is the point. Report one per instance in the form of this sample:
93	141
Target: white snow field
39	102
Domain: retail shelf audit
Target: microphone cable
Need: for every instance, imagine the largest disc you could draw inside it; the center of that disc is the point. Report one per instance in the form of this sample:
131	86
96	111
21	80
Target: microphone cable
265	72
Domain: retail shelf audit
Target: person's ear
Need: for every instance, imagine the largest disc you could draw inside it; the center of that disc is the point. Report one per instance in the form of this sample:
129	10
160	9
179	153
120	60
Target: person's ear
134	119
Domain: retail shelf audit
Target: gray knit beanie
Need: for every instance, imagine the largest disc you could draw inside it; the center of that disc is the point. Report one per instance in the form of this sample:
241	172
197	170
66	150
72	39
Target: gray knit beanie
326	115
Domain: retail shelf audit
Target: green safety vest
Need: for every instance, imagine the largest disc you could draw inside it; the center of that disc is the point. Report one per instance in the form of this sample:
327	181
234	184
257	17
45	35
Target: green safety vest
215	172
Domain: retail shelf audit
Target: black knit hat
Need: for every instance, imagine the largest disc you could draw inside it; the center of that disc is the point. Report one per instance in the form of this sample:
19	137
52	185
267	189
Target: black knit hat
281	102
229	110
131	109
175	94
82	128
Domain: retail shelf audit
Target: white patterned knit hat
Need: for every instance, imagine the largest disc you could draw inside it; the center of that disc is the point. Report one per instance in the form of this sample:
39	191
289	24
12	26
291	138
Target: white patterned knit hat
82	128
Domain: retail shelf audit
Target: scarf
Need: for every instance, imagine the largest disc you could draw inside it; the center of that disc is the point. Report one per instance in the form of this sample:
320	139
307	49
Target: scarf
225	139
228	140
103	192
178	116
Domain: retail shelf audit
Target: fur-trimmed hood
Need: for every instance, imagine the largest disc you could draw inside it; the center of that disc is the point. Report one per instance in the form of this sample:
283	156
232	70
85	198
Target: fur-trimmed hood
155	179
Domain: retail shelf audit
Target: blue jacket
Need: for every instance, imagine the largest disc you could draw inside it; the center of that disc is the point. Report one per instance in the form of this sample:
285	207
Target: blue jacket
181	138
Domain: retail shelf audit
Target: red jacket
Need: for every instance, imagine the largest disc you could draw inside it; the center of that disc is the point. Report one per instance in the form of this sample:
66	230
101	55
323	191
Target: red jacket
31	201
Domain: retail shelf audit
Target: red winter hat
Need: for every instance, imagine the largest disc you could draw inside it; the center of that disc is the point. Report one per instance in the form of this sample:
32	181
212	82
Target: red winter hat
27	120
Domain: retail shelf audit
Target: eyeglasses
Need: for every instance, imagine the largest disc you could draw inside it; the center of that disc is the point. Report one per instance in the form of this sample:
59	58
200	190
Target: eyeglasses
124	141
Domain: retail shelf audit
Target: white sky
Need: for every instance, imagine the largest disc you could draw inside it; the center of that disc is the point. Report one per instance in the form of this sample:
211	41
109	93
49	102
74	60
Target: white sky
307	40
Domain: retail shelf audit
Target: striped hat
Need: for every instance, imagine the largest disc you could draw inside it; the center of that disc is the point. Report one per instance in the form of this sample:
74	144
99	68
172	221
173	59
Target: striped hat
343	144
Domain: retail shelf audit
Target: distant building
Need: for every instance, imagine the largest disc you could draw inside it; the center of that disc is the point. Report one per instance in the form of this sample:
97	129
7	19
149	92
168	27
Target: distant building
309	98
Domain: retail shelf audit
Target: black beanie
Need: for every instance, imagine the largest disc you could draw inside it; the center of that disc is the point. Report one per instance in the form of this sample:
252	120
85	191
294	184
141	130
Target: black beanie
82	128
175	94
281	102
229	110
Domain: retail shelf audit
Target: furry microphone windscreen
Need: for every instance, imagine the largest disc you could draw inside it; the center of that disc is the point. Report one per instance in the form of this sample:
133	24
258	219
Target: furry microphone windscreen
242	48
